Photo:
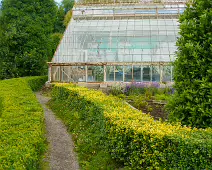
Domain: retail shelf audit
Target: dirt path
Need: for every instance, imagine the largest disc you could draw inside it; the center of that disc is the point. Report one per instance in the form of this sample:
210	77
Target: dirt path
61	153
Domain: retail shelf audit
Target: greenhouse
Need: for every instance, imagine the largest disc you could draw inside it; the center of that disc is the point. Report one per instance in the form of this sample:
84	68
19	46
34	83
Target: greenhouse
118	41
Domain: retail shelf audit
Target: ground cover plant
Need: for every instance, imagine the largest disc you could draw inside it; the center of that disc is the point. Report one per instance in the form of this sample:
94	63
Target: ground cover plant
22	140
131	138
150	97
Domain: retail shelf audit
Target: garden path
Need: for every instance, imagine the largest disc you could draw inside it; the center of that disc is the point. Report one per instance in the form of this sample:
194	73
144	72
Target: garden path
61	154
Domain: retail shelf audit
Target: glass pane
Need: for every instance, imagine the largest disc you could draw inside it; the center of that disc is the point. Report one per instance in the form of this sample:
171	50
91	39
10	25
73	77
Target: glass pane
109	73
172	73
55	73
119	73
166	73
146	73
74	73
127	73
137	73
95	74
118	40
64	74
156	73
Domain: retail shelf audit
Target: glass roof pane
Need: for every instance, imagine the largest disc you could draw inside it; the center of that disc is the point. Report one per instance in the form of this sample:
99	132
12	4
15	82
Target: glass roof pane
108	35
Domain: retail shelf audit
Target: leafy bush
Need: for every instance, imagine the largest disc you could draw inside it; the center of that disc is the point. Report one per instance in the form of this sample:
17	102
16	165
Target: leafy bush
162	97
117	89
191	104
140	87
36	83
133	138
22	138
140	102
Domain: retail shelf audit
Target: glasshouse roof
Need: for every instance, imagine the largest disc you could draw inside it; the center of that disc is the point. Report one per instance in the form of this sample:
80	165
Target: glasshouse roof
121	32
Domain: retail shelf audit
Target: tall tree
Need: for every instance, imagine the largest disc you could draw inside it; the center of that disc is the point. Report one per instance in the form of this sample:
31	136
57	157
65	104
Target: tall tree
67	5
26	26
67	18
191	104
59	26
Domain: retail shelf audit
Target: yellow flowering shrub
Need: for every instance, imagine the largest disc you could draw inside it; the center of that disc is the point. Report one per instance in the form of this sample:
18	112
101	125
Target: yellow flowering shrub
22	140
136	139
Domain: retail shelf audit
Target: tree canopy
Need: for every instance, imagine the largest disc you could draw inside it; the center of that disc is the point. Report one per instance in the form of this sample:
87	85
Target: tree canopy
191	104
67	5
26	27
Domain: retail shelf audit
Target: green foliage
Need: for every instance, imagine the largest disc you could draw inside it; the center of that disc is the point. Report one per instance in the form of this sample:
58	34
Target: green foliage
55	40
160	97
59	26
191	104
26	27
116	89
22	138
67	18
84	121
67	5
140	102
36	83
1	106
132	138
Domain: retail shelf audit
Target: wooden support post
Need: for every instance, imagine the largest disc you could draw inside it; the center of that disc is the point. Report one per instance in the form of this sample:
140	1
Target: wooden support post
161	74
123	72
86	74
69	70
60	73
105	74
50	73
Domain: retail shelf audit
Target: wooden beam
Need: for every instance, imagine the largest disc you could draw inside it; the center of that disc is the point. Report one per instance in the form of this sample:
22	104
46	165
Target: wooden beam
83	4
111	63
127	16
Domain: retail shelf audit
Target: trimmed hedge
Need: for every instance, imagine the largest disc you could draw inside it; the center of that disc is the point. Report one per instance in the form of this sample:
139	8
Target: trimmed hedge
36	82
133	138
22	140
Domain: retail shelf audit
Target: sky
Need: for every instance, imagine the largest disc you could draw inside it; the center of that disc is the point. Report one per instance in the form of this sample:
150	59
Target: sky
58	1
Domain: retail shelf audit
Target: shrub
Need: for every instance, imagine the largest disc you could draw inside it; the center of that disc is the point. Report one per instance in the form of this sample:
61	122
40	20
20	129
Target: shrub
117	89
36	83
133	138
22	140
148	89
140	87
191	104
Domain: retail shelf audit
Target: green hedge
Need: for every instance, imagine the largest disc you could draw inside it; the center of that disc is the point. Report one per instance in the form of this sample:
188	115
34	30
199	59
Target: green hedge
22	140
133	138
36	83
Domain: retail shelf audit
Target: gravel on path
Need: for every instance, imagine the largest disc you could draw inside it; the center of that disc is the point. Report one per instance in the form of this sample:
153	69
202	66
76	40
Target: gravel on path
61	151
